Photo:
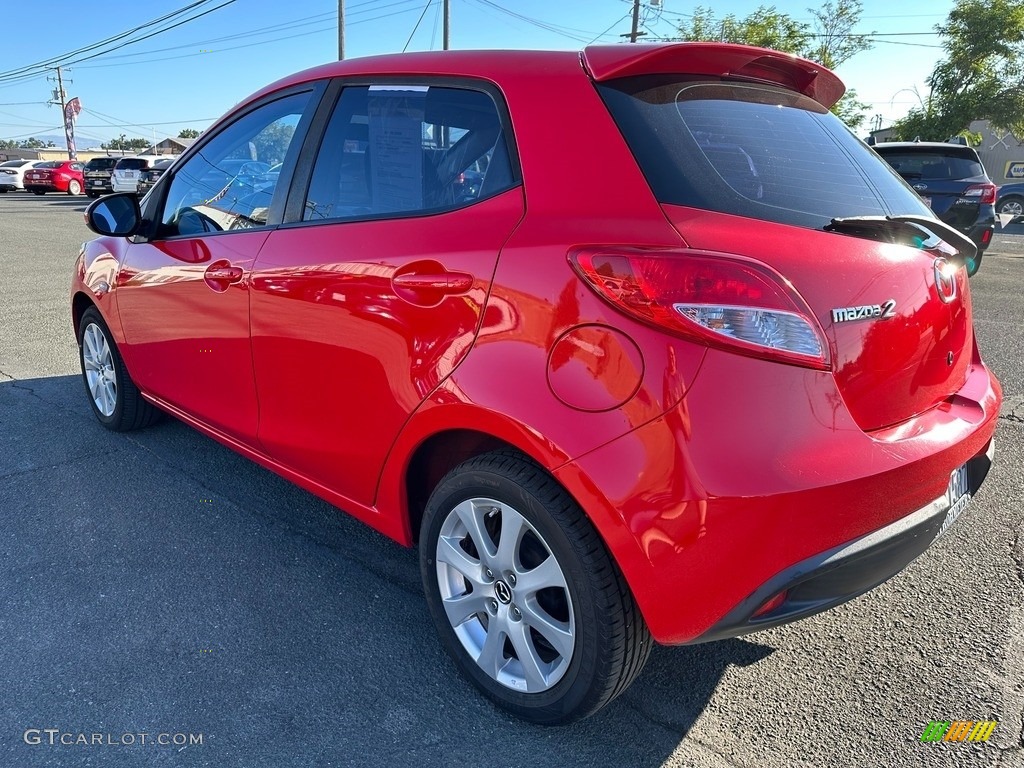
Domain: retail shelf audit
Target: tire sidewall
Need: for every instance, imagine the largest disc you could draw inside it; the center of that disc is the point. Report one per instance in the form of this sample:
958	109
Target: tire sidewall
92	317
566	696
71	187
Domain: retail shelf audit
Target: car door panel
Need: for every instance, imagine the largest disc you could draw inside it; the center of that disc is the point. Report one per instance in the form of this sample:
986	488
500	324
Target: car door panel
344	352
189	339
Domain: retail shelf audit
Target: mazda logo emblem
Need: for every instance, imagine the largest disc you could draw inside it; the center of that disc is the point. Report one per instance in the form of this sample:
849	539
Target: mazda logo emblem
945	280
502	592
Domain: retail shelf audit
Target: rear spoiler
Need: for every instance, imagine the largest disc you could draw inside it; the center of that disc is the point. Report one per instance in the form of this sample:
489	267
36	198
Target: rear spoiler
742	62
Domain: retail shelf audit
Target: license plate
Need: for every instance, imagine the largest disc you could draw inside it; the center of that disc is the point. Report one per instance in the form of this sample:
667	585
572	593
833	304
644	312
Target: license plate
96	183
129	174
958	494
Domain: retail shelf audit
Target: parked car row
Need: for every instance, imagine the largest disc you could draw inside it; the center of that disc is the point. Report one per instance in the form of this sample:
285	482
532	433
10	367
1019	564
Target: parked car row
99	176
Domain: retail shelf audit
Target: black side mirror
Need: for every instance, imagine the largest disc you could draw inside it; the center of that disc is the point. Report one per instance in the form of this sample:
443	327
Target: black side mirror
116	215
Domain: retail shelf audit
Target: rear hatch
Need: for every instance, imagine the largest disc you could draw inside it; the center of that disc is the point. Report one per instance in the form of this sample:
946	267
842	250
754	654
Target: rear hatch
130	168
100	168
950	179
758	171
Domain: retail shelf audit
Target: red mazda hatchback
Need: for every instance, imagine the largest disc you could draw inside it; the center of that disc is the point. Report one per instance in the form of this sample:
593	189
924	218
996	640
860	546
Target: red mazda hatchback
687	359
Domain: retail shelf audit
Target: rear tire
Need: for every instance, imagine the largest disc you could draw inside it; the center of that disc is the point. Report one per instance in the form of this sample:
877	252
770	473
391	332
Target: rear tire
1011	204
74	187
541	622
115	400
38	191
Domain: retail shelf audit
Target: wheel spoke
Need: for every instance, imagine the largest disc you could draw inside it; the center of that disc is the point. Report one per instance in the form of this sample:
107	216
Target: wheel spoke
545	575
90	363
513	527
555	632
491	659
470	516
519	634
450	553
464	607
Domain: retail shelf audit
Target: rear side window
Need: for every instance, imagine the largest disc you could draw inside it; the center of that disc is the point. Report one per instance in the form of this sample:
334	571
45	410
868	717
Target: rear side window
407	149
933	164
751	150
131	164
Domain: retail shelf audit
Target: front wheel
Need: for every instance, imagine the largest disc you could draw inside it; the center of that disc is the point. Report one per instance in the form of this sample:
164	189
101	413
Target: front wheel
114	398
74	187
524	594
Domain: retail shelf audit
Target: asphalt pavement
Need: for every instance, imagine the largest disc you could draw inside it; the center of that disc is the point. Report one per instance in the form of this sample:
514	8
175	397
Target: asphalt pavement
157	583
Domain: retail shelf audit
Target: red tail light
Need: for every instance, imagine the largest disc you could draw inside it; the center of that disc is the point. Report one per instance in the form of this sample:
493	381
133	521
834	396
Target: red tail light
985	192
724	301
986	237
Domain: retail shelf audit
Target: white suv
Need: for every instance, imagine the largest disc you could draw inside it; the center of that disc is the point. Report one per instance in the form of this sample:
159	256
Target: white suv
129	170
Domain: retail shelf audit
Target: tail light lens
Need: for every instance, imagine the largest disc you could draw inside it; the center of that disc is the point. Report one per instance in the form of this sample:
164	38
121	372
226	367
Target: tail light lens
986	193
724	301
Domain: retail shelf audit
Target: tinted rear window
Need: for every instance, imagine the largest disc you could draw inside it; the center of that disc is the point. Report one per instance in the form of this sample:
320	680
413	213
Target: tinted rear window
51	164
933	164
14	163
131	164
752	150
101	164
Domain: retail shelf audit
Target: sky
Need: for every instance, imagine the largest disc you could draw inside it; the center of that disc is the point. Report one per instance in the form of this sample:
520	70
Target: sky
188	76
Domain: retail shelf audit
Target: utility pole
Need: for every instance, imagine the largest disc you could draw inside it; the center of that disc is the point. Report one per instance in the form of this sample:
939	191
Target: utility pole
60	98
446	36
635	33
341	30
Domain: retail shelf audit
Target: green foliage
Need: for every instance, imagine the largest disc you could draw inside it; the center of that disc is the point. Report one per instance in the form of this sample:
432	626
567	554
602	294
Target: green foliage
123	143
828	39
188	133
980	76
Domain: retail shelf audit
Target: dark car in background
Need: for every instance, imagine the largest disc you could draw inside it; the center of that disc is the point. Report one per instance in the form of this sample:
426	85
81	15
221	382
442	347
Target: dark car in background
149	177
1010	200
97	176
952	181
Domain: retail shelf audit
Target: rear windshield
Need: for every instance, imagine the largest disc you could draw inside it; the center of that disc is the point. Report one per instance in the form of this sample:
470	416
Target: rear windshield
51	164
14	163
101	163
131	164
933	163
752	150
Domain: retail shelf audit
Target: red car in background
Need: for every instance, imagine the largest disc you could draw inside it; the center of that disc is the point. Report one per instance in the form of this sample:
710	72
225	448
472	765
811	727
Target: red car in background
719	374
56	176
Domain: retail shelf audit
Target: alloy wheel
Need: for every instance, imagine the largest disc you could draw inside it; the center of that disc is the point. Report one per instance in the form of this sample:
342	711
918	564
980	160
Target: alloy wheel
100	376
505	595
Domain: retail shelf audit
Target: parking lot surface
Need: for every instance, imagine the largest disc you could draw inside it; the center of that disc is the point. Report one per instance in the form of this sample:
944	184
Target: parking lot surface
157	583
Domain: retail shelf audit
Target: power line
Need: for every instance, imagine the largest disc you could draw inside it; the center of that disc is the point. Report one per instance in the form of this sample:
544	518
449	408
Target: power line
66	61
417	26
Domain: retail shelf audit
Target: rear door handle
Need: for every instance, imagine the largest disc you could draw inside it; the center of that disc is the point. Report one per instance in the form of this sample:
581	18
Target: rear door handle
220	275
434	282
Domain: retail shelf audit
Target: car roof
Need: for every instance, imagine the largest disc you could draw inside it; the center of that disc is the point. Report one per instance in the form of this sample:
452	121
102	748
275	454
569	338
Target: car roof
602	61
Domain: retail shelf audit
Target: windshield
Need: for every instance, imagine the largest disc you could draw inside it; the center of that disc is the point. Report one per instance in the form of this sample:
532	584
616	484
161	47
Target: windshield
752	150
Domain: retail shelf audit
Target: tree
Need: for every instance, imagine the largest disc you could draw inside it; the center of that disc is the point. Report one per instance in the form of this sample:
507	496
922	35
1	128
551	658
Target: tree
980	76
123	143
188	133
829	39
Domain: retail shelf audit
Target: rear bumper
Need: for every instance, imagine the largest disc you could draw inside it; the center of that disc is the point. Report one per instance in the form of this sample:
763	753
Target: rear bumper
831	578
760	482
